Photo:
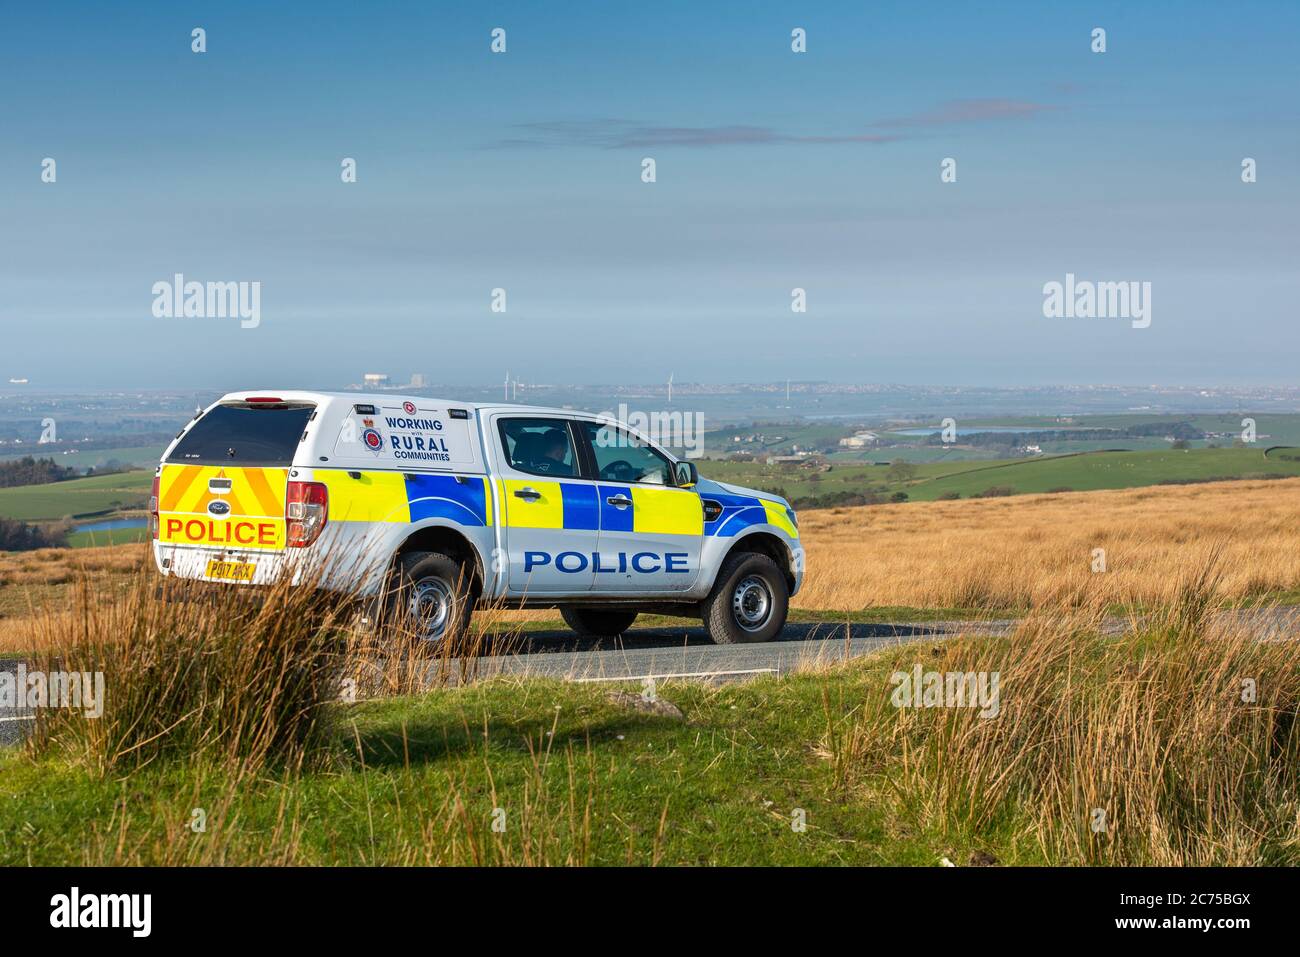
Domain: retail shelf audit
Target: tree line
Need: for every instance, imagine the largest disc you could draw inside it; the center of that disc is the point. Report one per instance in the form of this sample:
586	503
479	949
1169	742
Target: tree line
18	536
31	471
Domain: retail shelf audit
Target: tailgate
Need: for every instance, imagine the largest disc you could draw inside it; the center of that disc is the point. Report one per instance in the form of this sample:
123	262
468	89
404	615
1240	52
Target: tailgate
225	507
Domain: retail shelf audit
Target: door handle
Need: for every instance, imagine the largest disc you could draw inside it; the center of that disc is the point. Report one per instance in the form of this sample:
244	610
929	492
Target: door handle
529	494
619	501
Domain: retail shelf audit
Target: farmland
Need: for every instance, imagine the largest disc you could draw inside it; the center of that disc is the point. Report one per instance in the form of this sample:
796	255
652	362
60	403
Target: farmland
94	495
928	481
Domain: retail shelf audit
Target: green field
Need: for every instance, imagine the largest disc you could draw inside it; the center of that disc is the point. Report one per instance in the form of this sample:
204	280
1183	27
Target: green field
139	456
98	494
920	453
118	536
727	780
1272	428
1083	472
1109	470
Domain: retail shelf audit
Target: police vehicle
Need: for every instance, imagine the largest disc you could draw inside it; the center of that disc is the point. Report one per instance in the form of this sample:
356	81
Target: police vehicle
433	507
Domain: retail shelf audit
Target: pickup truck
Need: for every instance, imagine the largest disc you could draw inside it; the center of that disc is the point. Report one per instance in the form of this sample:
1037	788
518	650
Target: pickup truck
435	507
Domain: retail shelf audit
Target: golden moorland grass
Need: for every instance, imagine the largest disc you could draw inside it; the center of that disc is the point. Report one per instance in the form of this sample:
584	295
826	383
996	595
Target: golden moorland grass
1154	746
1002	553
1037	551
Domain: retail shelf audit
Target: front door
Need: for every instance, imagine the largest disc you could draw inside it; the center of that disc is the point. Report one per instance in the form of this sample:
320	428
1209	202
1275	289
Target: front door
651	532
551	519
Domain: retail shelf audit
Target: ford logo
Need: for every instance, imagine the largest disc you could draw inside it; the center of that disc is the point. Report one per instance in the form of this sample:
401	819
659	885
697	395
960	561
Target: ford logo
218	508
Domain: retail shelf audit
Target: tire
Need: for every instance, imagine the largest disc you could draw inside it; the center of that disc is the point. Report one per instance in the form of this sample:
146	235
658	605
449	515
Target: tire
749	601
597	623
433	597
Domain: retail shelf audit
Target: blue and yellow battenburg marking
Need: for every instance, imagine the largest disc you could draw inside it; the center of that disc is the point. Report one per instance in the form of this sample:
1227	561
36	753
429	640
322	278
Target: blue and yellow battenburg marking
405	498
467	500
741	511
577	506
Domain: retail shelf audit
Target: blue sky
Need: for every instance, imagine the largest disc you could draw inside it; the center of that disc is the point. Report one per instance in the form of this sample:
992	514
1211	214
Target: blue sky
775	170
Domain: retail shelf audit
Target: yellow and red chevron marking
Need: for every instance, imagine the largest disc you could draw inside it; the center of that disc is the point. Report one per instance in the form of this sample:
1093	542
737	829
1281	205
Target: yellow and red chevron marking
256	498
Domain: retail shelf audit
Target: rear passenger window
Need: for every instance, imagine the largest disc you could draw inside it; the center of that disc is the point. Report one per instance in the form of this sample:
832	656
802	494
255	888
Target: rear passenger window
539	447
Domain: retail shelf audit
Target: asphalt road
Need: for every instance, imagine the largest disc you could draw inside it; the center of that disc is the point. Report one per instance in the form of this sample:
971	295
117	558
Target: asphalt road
685	652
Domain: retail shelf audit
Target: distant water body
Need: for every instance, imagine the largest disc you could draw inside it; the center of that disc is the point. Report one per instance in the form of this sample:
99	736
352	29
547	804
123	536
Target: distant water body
116	524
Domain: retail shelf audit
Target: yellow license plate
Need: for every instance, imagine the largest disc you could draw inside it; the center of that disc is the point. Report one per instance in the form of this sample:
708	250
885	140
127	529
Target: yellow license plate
231	571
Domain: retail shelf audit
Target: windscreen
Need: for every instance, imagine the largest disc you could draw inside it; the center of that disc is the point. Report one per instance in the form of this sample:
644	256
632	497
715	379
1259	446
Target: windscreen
244	435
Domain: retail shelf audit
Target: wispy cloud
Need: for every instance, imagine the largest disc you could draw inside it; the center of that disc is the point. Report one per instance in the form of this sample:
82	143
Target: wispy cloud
625	134
969	111
620	134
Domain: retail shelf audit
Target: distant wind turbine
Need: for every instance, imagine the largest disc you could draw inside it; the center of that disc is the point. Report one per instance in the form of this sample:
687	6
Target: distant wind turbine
670	388
506	397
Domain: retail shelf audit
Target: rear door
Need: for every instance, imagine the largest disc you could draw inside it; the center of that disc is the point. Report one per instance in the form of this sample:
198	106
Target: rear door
651	532
550	517
223	485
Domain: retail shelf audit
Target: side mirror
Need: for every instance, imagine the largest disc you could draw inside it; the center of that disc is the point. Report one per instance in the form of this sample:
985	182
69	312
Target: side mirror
685	474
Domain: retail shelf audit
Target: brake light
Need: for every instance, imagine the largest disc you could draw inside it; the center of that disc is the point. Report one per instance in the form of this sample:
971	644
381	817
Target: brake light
262	398
306	510
153	509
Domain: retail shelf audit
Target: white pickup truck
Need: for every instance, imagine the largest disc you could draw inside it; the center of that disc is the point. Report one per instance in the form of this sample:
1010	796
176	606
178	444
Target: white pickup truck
441	505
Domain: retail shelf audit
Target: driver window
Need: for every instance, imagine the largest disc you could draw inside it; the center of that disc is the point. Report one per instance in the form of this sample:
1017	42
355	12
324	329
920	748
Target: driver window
621	457
539	446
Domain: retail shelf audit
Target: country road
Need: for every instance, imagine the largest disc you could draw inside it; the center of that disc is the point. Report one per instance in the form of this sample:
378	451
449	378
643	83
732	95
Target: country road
684	652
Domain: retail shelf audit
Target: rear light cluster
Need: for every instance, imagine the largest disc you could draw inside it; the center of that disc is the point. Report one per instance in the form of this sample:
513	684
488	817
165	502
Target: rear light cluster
305	512
153	510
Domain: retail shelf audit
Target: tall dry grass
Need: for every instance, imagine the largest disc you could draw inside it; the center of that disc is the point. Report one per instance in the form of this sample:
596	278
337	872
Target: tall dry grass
1037	551
388	656
1177	743
240	675
44	584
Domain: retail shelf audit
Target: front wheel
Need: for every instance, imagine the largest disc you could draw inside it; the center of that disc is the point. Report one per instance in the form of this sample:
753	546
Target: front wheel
595	623
749	601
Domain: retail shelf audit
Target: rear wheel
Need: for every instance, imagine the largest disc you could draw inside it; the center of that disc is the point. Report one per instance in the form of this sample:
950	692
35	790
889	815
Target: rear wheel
749	601
433	596
597	623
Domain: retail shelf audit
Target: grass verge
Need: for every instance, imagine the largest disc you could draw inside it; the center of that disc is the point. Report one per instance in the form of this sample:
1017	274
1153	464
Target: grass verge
1154	728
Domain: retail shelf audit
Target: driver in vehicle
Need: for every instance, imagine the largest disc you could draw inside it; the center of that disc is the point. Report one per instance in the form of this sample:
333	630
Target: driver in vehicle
555	452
